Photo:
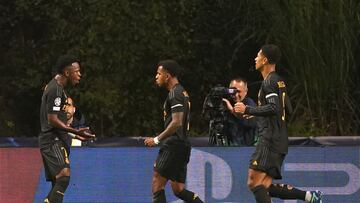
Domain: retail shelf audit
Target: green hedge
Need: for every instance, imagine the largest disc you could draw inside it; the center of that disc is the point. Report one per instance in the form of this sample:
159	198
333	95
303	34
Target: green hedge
120	43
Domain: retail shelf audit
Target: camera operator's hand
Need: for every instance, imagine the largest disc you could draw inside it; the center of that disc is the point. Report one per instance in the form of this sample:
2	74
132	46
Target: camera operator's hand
239	107
228	105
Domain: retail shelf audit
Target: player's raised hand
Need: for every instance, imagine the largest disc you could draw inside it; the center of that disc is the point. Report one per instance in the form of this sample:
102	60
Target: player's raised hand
81	138
239	107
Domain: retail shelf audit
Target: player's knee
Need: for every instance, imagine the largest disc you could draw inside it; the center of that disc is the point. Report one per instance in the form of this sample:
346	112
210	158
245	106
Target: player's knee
157	186
251	183
255	179
267	182
176	191
177	188
158	182
63	172
66	171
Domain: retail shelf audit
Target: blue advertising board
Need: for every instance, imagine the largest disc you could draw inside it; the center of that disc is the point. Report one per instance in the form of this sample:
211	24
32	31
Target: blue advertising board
215	174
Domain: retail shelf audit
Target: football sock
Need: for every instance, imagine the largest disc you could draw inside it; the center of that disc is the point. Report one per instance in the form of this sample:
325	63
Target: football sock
286	192
57	193
188	196
261	194
52	187
159	197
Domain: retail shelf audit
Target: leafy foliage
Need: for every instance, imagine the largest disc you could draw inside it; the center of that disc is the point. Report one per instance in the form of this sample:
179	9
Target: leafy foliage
120	43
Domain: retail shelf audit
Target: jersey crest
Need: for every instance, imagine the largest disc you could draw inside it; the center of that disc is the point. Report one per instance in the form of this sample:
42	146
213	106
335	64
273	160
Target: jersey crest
281	84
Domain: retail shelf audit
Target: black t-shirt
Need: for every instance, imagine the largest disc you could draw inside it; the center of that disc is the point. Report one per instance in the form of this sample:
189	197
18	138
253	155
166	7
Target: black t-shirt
52	102
270	113
177	101
242	131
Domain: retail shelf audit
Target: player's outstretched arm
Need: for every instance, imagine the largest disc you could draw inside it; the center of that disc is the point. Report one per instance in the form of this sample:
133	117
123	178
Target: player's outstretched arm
82	134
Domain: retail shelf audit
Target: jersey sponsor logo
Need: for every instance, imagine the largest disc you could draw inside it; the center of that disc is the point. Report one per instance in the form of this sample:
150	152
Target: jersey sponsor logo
281	84
57	101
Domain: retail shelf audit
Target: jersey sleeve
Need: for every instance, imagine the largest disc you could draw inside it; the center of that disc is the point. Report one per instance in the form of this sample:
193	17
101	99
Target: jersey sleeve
177	100
272	104
53	101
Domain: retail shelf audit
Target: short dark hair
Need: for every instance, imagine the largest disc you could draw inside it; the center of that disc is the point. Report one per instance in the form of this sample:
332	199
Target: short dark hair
63	62
272	53
171	66
239	79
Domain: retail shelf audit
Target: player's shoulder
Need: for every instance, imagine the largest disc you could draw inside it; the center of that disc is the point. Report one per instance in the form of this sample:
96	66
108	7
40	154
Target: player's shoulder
274	80
54	87
178	90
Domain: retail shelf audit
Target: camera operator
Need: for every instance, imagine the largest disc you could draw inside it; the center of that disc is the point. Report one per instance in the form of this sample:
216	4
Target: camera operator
242	130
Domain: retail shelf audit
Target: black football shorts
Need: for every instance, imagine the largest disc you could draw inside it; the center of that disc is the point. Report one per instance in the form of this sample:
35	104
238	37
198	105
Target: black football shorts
173	164
55	158
267	161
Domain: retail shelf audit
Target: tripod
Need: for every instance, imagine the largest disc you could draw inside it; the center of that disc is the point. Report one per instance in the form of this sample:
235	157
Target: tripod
217	135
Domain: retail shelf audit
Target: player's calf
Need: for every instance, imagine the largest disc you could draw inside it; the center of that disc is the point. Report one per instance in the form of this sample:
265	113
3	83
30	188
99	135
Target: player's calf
159	196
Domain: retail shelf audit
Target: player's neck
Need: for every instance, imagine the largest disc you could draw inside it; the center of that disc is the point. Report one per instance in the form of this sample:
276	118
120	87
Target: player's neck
267	70
61	80
171	84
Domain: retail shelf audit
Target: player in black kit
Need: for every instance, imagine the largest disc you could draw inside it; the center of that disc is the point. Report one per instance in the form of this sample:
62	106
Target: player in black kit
266	162
174	153
55	132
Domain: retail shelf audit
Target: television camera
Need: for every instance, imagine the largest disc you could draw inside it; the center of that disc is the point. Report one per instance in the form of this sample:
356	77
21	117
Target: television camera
215	110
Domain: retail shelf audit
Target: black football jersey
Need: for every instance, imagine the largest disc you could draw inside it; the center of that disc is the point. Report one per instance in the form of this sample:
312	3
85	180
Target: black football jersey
177	101
52	102
271	115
